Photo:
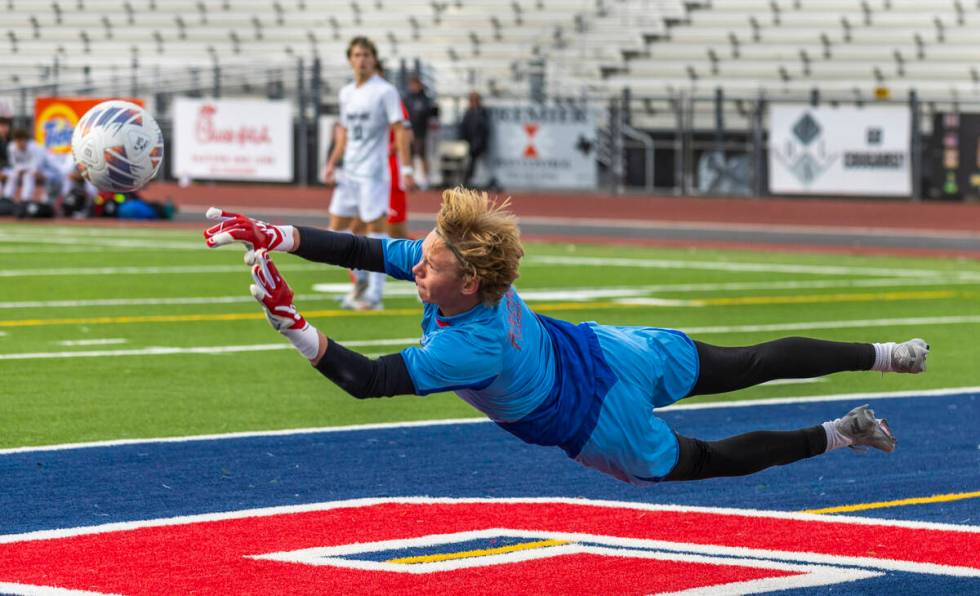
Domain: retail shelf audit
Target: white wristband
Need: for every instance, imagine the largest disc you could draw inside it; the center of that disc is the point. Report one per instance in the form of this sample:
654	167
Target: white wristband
287	239
408	171
306	340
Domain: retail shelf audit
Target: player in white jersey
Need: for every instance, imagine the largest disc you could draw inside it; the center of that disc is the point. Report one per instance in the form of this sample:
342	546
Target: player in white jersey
368	107
26	162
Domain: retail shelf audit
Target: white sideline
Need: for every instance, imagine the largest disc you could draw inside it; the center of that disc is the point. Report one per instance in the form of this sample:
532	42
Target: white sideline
720	329
125	243
926	393
544	260
182	269
400	288
421	500
744	267
106	341
165	351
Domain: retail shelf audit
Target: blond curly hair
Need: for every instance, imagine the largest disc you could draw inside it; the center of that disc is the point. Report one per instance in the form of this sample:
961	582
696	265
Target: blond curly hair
484	237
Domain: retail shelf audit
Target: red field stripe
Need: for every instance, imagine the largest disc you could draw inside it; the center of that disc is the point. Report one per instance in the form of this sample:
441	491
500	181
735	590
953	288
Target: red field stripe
216	556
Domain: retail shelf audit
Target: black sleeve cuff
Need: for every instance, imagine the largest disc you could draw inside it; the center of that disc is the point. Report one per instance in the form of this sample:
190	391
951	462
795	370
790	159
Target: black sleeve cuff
336	248
362	377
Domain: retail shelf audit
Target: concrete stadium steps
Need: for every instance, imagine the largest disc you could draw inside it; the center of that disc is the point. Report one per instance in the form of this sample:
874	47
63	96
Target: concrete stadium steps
779	47
445	33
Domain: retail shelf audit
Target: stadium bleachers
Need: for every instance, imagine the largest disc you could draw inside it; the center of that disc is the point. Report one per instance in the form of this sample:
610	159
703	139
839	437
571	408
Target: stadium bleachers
847	48
588	47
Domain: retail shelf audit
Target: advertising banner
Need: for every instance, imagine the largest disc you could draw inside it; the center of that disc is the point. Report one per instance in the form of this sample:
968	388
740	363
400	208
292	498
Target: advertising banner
956	155
537	146
845	150
55	119
233	139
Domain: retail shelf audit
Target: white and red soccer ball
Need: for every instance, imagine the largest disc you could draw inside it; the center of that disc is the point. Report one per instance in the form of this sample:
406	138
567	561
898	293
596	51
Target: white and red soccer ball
118	146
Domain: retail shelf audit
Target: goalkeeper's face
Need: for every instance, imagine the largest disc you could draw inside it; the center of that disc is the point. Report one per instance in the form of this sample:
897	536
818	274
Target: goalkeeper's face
440	279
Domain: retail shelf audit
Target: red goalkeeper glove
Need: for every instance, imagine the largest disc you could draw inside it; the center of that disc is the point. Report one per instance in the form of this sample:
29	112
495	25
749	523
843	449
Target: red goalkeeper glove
255	234
271	290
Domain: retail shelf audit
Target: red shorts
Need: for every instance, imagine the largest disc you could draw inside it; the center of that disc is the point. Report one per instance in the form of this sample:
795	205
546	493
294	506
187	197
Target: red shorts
397	203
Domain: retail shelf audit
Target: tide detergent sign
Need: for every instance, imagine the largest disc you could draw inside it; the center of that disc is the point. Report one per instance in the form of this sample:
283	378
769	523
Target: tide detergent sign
55	119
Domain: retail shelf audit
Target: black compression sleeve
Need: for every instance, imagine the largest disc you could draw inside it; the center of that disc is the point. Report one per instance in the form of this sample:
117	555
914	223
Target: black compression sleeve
336	248
362	377
745	454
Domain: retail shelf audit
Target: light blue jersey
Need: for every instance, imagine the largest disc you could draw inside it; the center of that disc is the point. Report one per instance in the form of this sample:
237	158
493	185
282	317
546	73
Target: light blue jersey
588	388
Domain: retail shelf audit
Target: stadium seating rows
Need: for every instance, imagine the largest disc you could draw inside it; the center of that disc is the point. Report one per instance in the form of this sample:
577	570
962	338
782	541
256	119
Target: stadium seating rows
779	48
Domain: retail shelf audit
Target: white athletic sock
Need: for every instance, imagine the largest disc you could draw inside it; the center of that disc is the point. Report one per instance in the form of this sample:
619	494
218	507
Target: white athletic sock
835	440
376	280
883	356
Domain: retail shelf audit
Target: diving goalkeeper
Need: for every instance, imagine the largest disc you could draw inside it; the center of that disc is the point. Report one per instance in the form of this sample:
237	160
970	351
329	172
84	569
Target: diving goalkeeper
590	389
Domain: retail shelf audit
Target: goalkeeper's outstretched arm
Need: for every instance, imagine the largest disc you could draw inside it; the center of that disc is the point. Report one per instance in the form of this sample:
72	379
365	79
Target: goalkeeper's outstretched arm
337	248
321	246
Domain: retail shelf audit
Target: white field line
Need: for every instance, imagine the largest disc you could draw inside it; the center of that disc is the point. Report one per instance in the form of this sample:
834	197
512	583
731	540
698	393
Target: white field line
173	270
792	382
126	243
167	351
415	500
846	324
747	267
93	342
901	272
572	222
398	288
407	341
778	401
35	590
786	401
644	224
31	231
329	292
769	228
60	250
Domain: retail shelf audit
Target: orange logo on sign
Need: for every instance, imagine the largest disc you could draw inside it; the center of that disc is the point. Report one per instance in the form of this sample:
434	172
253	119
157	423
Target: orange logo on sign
55	119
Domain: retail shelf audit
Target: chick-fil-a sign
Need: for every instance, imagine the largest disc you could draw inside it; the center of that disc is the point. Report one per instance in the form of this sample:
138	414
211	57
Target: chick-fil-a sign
233	139
208	130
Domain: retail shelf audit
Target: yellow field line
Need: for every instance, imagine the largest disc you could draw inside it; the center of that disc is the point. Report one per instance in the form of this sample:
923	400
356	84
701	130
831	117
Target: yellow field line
478	553
897	503
550	307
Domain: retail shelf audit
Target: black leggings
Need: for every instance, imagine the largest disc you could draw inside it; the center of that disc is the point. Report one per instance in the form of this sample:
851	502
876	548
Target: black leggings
729	369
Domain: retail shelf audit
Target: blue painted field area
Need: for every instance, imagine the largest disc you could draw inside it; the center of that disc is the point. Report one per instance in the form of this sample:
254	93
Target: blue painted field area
939	453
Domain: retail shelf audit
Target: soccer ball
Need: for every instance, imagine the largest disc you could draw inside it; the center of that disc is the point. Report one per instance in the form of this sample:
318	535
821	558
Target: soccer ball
118	146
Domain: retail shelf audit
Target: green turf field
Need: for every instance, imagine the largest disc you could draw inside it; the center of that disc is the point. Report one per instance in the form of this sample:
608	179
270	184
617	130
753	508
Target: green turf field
127	333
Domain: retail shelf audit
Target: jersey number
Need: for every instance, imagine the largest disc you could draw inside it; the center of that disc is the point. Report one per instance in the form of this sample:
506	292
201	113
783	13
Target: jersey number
357	132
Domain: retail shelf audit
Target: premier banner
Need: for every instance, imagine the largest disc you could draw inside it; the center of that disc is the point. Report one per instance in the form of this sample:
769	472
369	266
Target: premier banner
233	139
55	119
843	151
534	146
